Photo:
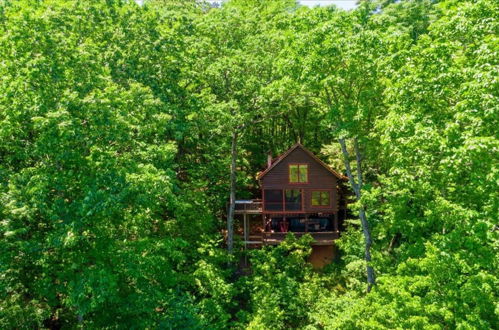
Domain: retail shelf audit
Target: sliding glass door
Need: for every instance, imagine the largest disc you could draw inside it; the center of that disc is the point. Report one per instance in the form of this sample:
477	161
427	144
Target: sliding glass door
293	200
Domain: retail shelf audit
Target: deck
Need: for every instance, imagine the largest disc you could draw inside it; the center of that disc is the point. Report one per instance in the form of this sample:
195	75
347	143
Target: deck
251	206
253	239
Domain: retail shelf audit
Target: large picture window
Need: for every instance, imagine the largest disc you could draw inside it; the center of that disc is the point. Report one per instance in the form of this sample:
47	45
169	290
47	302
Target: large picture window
298	173
321	198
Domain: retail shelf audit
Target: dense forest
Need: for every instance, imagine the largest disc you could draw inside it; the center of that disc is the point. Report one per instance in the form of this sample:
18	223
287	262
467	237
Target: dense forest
118	126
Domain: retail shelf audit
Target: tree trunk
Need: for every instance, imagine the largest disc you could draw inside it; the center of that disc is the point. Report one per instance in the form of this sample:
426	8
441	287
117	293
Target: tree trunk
232	198
371	280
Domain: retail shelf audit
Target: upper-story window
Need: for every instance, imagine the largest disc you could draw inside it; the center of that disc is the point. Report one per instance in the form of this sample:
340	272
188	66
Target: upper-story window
298	173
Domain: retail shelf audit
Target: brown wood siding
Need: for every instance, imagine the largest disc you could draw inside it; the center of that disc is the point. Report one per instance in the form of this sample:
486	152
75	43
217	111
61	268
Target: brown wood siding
318	179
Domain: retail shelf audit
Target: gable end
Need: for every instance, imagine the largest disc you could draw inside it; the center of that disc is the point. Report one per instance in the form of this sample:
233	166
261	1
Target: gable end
289	151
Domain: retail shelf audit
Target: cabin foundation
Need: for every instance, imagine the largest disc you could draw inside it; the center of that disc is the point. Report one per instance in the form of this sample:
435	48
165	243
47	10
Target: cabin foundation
322	255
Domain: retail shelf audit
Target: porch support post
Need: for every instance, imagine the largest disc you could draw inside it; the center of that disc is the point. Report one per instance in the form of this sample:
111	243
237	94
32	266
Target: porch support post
263	229
245	230
335	221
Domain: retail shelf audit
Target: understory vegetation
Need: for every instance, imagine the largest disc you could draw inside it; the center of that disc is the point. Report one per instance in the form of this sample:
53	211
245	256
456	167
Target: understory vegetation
116	128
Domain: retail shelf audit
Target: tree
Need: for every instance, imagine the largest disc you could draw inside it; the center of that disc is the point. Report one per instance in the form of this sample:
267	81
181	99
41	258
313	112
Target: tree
234	69
341	65
88	203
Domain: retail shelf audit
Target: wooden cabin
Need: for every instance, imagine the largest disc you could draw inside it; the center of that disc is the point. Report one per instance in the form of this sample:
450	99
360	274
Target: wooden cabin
299	194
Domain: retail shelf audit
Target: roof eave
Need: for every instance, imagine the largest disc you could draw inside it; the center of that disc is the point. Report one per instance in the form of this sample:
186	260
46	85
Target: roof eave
284	155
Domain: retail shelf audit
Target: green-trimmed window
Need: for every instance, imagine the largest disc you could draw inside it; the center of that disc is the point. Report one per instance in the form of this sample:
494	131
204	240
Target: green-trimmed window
321	198
298	173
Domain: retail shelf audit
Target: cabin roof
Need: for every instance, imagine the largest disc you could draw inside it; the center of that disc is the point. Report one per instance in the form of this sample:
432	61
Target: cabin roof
284	155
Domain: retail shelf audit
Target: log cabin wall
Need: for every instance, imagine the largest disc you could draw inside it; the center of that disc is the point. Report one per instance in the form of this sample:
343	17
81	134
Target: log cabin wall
319	178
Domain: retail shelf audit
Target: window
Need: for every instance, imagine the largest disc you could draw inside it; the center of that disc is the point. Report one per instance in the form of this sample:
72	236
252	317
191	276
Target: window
298	173
293	200
320	198
282	200
273	199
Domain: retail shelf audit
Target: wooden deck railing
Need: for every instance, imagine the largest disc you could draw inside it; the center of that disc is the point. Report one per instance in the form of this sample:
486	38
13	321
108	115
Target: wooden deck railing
248	206
268	238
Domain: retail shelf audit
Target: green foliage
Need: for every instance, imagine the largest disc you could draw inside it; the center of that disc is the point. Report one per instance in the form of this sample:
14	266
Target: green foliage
277	283
88	204
115	125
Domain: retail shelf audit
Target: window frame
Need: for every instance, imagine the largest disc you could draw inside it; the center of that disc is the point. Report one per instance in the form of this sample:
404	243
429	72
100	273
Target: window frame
330	201
298	166
283	192
265	200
